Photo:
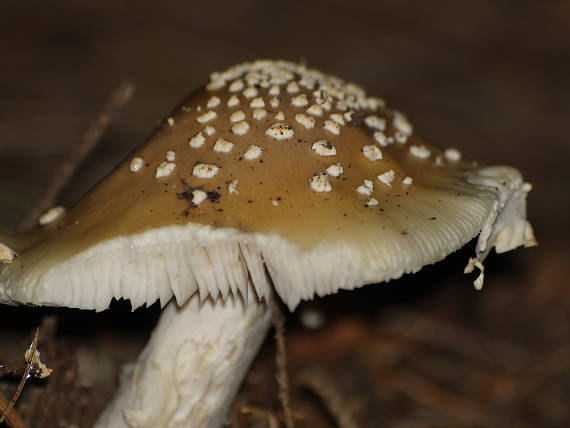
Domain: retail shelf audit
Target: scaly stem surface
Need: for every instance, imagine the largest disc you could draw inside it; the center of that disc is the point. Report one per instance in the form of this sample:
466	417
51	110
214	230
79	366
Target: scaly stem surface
190	371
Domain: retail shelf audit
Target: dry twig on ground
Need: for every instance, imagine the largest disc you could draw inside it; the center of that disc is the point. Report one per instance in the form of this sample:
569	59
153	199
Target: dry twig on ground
281	359
332	399
79	153
267	415
32	354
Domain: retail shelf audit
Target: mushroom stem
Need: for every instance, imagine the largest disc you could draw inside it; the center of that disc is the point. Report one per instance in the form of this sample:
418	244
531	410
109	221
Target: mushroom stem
190	371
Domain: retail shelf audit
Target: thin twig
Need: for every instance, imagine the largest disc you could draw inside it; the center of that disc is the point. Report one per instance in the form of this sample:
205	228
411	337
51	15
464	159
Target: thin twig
461	409
79	152
12	368
267	415
33	349
17	369
334	402
13	419
441	334
278	320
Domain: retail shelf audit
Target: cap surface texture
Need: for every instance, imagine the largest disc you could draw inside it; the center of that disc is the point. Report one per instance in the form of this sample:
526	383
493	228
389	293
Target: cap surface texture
255	180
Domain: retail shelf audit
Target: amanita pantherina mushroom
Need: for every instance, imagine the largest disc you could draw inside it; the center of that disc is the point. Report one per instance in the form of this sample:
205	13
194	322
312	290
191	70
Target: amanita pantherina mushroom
272	177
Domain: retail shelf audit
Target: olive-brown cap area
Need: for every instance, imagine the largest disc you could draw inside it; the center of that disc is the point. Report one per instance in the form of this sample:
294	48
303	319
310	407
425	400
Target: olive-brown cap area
279	190
275	148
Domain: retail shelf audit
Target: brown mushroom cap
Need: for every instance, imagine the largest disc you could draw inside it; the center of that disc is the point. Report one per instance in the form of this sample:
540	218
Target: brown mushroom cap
275	166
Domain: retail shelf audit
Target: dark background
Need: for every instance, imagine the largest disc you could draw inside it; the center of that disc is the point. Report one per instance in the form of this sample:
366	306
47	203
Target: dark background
488	77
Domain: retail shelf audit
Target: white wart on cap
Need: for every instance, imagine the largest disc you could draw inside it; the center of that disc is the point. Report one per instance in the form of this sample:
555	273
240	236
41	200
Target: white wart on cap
7	255
322	234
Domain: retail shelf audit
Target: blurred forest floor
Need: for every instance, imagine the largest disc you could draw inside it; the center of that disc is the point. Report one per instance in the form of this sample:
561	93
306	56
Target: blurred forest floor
490	78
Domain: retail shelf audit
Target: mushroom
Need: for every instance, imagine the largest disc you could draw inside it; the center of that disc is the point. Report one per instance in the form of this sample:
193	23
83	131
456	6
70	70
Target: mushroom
251	205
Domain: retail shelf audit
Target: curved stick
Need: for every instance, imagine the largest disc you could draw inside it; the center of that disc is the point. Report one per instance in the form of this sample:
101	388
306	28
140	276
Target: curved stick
26	375
79	152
